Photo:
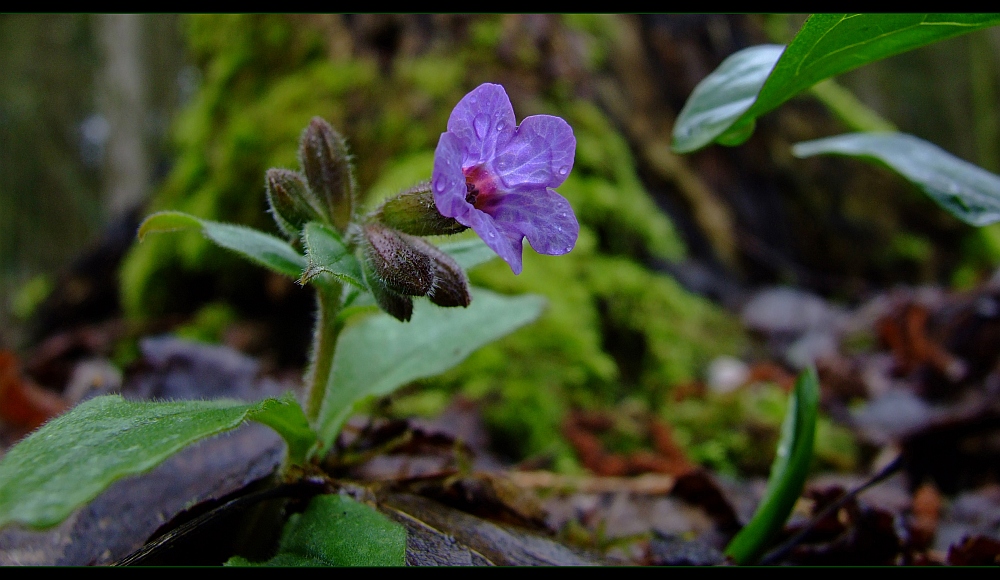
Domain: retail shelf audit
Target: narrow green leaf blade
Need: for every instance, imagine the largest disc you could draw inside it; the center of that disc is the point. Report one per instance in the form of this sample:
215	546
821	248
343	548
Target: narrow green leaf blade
469	253
378	353
257	246
337	531
723	97
831	44
72	458
968	191
827	45
788	472
326	252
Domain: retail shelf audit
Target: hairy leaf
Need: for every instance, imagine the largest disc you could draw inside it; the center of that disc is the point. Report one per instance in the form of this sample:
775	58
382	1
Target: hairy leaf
72	458
326	252
337	531
257	246
378	353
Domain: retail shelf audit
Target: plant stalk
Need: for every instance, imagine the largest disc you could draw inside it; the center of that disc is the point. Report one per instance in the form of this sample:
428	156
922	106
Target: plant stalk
325	335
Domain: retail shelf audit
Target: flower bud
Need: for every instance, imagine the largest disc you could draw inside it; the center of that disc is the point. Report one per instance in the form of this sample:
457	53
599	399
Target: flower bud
398	306
396	262
451	285
414	212
292	204
324	158
401	265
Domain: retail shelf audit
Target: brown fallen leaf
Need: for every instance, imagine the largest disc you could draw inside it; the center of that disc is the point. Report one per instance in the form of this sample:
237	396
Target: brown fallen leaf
23	404
926	514
975	551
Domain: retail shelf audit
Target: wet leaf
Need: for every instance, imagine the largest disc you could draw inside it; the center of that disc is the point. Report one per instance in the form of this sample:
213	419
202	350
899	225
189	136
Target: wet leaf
378	353
969	192
264	249
723	97
337	531
754	81
788	472
71	459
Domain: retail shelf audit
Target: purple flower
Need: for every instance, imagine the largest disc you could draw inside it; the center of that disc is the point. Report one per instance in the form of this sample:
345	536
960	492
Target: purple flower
497	178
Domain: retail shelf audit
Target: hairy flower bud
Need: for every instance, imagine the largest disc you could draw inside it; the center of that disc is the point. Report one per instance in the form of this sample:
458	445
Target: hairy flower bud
403	265
394	260
398	306
451	285
292	204
324	158
414	212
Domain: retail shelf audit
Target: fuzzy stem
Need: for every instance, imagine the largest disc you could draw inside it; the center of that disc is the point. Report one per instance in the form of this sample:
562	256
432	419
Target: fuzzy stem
324	342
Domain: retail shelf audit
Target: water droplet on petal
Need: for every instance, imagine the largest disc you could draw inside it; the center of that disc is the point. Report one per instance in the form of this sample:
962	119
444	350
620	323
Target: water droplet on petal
568	248
439	186
500	127
481	124
563	214
563	170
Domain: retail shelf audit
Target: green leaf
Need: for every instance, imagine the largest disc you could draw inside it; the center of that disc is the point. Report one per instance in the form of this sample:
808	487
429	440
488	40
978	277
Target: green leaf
788	472
72	458
326	252
378	353
723	96
745	87
969	192
264	249
337	531
469	253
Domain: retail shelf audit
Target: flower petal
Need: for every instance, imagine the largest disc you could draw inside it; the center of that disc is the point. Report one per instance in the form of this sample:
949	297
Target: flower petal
542	215
539	154
484	122
448	181
506	242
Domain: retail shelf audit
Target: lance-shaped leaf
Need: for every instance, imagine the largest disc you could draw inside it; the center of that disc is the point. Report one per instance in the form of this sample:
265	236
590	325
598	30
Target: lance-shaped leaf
337	531
264	249
968	191
326	252
722	108
378	353
72	458
788	472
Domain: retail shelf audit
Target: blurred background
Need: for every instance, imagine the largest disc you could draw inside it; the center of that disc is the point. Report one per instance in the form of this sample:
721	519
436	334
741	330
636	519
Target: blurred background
106	118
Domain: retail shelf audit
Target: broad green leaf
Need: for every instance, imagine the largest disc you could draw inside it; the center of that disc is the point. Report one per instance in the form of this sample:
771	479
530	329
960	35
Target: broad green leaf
469	253
722	107
788	472
72	458
326	252
264	249
337	531
969	192
378	353
723	96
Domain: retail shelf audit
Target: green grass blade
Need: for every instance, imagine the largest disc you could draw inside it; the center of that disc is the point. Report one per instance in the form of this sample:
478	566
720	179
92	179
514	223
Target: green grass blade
788	472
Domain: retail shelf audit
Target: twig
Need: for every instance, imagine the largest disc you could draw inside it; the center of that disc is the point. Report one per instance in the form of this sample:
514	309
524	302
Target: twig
781	551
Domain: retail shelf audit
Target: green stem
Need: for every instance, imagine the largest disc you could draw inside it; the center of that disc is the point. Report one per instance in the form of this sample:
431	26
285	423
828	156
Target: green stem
324	342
